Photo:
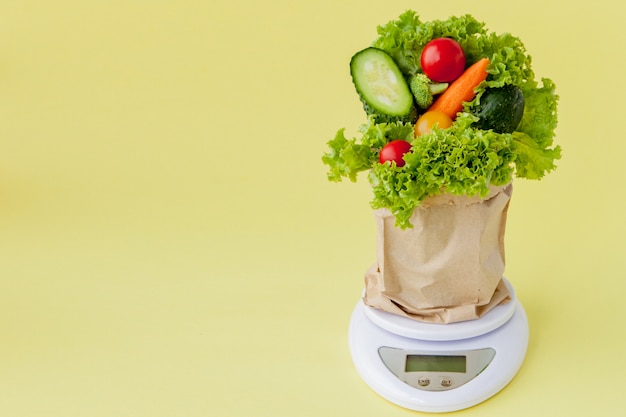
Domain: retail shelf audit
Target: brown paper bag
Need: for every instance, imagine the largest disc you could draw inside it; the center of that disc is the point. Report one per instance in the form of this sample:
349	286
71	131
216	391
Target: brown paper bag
448	267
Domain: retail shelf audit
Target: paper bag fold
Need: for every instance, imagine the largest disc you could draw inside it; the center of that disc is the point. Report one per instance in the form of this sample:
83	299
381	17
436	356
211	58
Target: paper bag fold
448	267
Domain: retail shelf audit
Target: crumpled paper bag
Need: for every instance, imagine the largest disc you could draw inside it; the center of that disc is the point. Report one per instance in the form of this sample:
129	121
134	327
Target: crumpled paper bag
449	266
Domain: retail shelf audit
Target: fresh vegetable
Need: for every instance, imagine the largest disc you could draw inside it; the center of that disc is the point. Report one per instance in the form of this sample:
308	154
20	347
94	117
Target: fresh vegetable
381	85
443	60
394	151
462	90
500	109
427	121
463	159
421	92
423	89
533	139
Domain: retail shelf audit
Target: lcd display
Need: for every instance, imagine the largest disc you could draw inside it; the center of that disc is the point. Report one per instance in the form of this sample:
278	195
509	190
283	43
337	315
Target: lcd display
435	363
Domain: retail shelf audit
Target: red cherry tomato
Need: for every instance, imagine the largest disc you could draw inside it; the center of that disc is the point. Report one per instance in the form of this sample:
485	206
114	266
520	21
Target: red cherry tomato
443	60
394	151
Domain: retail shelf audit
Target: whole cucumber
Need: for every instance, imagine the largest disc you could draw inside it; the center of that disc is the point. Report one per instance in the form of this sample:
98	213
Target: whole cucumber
500	109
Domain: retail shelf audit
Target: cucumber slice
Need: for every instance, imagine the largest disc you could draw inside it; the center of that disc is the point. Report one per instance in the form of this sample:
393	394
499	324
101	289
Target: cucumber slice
380	83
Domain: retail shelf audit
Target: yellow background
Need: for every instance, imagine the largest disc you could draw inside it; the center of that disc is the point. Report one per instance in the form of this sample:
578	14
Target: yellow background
169	243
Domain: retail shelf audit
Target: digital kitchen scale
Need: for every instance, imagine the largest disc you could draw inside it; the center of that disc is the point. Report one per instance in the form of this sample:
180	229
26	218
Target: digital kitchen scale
439	367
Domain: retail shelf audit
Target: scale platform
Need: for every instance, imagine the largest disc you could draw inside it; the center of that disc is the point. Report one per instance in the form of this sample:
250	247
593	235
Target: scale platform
438	367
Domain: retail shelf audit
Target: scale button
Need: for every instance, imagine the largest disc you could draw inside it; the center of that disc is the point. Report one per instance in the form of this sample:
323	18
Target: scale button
423	381
446	382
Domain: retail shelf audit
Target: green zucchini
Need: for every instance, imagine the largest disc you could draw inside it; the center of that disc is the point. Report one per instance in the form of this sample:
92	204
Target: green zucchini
500	109
381	86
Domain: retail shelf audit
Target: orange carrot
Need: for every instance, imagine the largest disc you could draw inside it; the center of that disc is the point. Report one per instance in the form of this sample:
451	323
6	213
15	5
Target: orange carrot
461	90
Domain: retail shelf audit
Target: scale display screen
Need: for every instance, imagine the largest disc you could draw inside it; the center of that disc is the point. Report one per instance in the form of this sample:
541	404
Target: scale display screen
435	363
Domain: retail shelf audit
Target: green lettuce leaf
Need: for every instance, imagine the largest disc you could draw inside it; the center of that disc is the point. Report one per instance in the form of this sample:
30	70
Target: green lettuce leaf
347	157
532	161
534	136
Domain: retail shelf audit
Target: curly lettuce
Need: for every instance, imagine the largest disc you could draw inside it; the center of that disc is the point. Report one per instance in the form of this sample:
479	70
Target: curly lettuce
462	159
347	157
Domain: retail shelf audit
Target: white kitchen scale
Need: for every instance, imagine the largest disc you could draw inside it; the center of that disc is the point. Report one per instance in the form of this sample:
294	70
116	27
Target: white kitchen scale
438	367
